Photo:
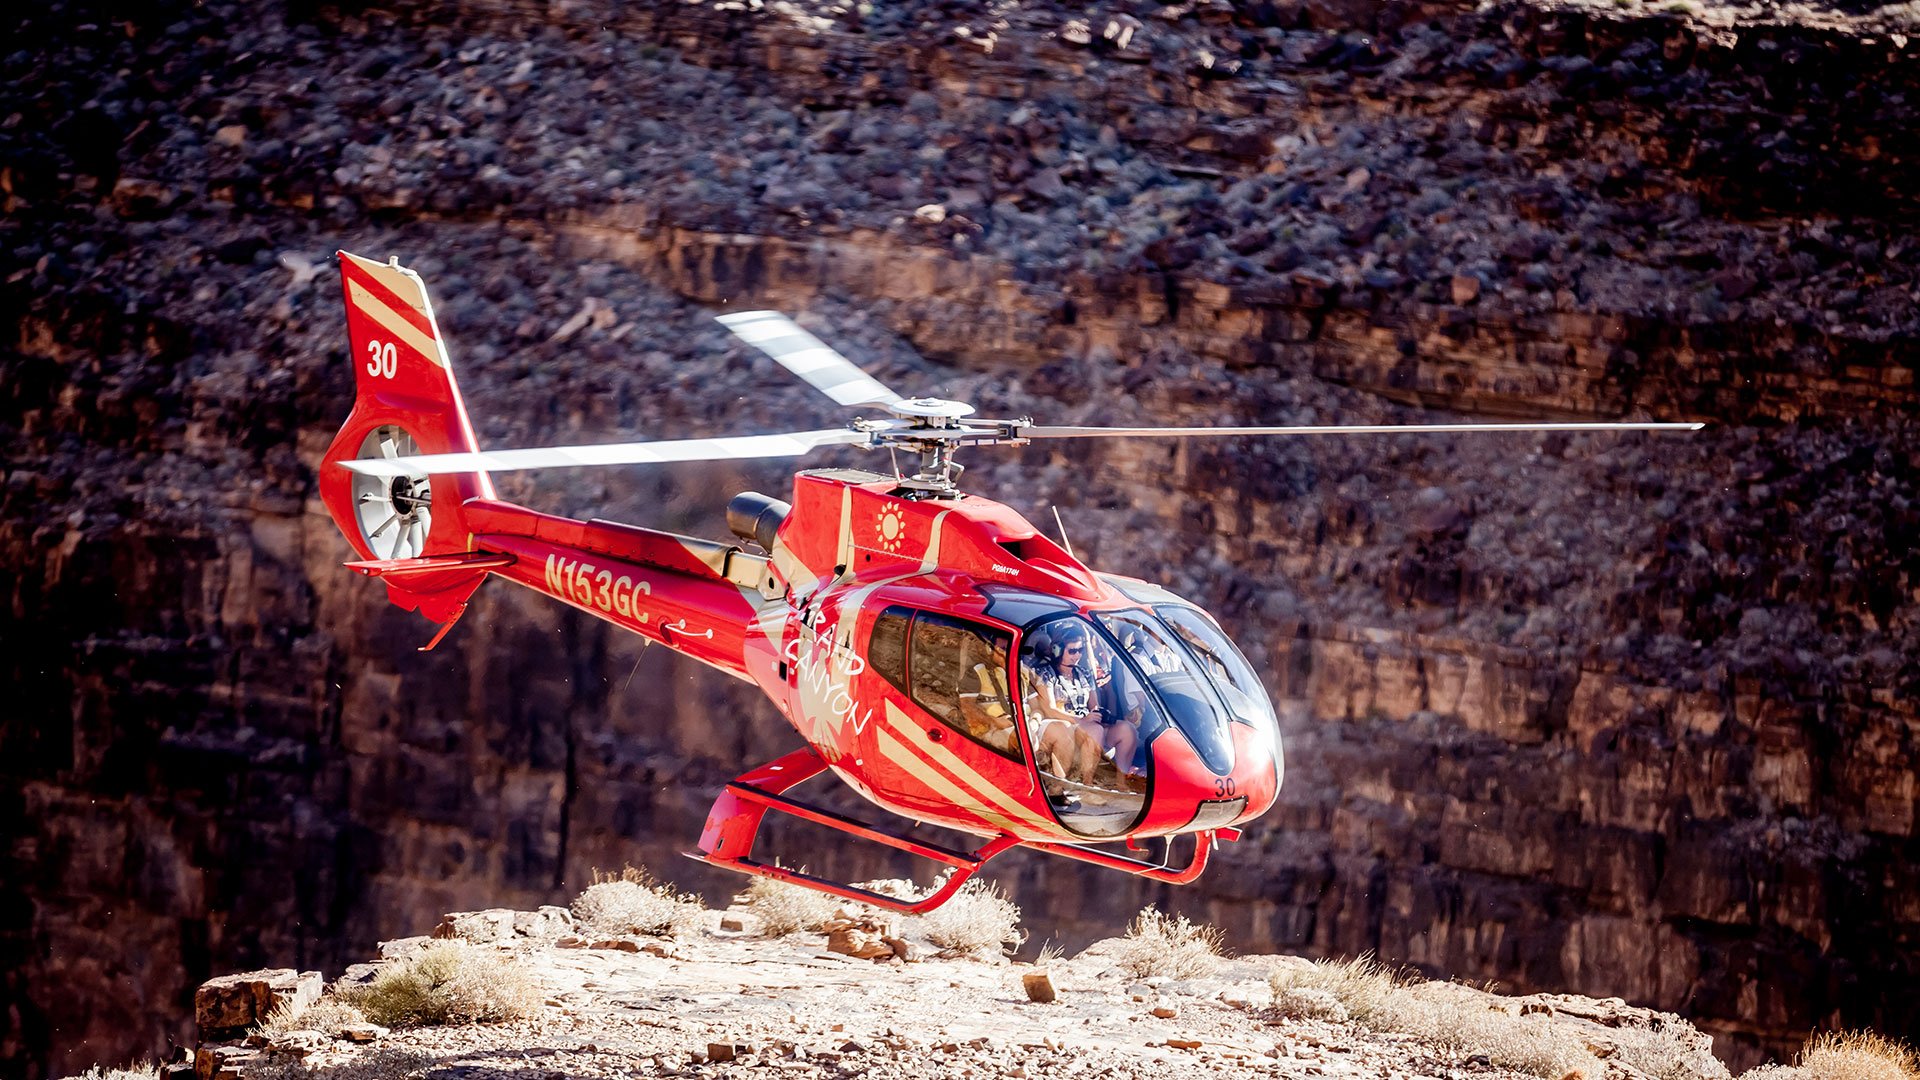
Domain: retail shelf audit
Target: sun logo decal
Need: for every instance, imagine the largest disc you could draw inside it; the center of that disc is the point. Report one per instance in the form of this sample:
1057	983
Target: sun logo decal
891	528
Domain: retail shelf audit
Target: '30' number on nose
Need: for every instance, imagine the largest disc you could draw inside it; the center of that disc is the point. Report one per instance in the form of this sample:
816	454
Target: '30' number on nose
382	359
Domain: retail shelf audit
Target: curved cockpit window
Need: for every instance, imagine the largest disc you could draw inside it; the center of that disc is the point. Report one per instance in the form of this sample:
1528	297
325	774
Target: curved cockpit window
1184	688
1229	670
1089	718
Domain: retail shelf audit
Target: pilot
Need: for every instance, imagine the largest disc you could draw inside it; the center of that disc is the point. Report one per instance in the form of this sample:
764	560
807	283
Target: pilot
1059	700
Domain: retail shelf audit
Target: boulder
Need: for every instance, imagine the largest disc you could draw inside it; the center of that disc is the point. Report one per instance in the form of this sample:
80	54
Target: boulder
503	924
227	1006
221	1062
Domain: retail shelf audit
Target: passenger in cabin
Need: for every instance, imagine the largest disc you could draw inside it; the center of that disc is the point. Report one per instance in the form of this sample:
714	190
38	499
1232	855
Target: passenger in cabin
1149	651
986	705
1059	700
1118	703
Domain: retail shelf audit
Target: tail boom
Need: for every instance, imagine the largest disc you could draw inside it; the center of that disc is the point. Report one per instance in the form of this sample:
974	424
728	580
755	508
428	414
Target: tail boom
707	600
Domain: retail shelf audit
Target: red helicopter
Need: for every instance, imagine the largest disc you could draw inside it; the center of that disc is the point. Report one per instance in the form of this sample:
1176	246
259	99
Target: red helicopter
934	650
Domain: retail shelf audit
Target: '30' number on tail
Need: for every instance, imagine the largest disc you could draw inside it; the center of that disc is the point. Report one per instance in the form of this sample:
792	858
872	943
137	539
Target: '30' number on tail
381	359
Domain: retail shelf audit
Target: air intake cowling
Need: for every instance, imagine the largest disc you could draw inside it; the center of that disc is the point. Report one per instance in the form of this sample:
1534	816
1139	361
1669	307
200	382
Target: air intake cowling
756	517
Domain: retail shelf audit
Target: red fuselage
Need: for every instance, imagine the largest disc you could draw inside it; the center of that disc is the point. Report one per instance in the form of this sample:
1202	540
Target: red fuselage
801	625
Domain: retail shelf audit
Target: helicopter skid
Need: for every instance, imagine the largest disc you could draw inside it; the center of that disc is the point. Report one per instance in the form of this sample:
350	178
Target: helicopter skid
727	840
1202	848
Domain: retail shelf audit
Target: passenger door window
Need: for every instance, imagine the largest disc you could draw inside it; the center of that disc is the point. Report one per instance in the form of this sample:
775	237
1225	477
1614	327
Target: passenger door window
887	646
957	670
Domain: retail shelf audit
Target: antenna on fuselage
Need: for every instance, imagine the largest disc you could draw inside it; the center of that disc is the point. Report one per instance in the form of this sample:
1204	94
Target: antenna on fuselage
1062	526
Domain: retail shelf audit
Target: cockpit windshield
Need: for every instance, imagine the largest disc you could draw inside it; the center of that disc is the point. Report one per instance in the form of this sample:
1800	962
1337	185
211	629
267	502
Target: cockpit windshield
1097	692
1186	691
1229	671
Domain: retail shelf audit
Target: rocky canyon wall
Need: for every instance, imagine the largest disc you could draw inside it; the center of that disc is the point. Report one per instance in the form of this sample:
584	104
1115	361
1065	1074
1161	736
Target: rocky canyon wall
1617	716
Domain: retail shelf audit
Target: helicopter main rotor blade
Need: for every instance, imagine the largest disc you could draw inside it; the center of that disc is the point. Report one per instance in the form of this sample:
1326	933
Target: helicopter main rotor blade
808	357
1045	432
729	448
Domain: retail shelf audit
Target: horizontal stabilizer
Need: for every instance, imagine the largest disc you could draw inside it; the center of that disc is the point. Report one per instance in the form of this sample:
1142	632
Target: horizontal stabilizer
414	573
437	586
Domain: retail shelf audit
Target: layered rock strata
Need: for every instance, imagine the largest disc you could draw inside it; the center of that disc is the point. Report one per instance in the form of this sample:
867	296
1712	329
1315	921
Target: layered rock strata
1614	716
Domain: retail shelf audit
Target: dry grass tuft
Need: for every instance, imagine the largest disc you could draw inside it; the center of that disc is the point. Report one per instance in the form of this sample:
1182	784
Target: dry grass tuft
139	1070
1858	1055
382	1064
1158	944
1671	1052
1464	1021
447	982
631	902
1364	987
327	1015
979	918
1457	1019
784	908
1308	1003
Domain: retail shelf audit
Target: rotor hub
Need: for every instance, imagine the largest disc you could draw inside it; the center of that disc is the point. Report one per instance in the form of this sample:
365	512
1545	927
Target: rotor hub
409	494
929	408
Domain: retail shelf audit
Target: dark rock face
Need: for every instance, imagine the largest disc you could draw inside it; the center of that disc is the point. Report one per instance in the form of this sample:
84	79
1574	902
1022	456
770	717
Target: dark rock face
1617	716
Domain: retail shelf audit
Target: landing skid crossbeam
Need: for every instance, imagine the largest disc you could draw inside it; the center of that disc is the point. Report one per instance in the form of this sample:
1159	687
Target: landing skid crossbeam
727	840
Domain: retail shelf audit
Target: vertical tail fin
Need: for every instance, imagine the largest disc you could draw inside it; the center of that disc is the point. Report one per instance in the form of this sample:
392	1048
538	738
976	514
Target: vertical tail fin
406	402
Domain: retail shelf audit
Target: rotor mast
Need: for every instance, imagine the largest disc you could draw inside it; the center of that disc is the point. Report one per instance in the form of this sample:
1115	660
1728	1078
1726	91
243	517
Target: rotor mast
934	428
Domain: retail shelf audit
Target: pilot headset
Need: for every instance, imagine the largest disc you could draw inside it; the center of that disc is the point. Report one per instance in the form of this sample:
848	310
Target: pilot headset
1040	643
1058	641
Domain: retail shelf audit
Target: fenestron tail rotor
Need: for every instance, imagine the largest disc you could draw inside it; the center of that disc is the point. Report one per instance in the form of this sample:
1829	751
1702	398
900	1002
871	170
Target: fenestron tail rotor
931	427
393	507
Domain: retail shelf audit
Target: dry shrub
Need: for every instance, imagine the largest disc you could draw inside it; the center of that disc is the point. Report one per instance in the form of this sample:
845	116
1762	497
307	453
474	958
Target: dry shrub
1465	1021
1308	1003
1858	1055
785	908
382	1064
1670	1052
1773	1070
1158	944
631	902
328	1015
1453	1018
1364	987
447	982
978	918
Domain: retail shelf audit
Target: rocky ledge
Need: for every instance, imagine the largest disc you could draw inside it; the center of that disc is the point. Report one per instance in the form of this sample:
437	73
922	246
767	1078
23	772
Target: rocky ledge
722	998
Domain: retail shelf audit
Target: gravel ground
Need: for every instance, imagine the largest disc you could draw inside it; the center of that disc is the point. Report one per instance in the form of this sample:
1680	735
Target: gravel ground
790	1006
